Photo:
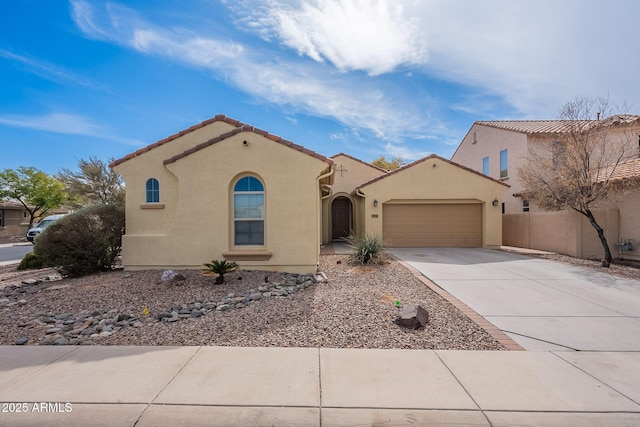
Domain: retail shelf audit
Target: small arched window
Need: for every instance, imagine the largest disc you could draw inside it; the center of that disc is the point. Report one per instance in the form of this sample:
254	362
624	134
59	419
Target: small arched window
153	191
248	212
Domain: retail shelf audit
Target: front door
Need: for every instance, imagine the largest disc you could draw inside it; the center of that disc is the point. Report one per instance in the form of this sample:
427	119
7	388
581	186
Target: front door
341	217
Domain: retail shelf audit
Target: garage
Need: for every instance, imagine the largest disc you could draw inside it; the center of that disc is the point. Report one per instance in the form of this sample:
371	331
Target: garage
432	225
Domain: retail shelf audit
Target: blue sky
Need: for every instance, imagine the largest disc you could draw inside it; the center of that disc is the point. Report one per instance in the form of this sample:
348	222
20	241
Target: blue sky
365	77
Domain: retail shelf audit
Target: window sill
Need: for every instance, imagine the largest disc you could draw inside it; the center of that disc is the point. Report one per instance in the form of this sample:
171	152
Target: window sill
247	255
152	206
504	178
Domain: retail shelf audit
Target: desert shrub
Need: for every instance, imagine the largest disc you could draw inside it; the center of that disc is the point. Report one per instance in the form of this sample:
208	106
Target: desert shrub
366	248
220	268
83	242
30	262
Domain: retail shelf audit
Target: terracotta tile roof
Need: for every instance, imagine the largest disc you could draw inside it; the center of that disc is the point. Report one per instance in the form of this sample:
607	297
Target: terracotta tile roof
239	127
360	161
531	127
623	171
10	204
424	159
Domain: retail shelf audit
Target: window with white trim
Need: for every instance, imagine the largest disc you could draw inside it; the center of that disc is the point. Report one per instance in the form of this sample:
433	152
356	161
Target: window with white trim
248	212
153	191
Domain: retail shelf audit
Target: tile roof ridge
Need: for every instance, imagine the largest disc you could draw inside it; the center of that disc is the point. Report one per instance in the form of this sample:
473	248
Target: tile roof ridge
239	127
216	118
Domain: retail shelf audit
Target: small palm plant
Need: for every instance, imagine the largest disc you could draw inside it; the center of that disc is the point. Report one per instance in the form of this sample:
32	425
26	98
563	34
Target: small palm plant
220	268
366	248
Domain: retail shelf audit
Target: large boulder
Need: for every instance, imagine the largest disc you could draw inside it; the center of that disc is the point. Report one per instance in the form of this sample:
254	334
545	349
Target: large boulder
412	316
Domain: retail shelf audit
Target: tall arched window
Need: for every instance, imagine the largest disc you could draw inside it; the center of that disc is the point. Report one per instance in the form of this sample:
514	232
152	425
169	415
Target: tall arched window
153	191
248	212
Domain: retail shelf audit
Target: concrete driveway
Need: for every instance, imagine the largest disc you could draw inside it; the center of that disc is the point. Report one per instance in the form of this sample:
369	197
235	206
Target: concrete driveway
540	304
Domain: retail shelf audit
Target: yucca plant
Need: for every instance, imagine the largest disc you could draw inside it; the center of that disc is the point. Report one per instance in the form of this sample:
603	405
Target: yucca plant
366	248
220	268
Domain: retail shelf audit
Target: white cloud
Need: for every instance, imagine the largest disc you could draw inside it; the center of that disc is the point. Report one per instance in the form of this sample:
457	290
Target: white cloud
375	36
305	86
529	55
405	153
536	54
64	123
48	71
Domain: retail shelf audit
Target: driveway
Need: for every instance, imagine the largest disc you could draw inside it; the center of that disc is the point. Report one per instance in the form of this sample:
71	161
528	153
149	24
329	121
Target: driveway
540	304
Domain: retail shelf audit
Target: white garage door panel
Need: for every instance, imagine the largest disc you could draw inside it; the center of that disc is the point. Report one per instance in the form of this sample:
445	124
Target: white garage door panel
432	225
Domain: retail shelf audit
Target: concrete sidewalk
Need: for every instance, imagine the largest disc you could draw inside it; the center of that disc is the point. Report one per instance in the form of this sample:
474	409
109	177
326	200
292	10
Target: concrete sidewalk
228	386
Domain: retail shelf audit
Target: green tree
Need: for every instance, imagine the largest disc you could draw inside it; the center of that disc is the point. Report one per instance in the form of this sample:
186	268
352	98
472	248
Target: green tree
383	163
94	183
34	189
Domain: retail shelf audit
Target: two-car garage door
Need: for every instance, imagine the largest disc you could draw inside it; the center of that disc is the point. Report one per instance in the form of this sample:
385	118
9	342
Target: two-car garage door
432	225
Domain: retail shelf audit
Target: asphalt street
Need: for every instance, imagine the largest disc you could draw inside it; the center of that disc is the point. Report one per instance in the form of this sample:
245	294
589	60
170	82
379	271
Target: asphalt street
14	251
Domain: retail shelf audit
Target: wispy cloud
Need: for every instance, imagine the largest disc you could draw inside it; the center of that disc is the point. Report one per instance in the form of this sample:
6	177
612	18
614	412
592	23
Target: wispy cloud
65	123
375	36
307	86
405	153
345	60
48	71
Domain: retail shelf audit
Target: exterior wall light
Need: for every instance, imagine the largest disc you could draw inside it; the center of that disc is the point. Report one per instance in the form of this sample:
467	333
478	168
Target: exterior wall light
375	203
495	202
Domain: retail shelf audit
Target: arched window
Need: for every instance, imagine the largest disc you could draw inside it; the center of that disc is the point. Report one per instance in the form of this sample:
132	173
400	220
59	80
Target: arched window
248	212
153	191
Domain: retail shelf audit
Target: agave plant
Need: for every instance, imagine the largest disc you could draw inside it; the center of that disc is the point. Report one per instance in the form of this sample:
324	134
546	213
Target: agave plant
366	248
220	268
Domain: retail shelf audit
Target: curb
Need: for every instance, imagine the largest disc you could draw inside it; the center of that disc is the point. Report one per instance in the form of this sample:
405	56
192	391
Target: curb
489	327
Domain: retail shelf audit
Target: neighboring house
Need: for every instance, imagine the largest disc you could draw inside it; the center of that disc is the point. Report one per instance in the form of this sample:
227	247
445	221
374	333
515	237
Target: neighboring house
499	148
223	189
14	219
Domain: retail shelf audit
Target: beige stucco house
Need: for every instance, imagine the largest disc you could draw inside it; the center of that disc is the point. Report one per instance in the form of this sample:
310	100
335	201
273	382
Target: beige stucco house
14	219
223	189
499	148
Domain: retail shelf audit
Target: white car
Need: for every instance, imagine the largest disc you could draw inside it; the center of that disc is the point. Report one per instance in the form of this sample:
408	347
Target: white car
39	228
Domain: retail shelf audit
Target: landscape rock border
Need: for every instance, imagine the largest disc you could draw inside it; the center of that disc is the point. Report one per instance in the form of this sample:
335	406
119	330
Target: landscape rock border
86	328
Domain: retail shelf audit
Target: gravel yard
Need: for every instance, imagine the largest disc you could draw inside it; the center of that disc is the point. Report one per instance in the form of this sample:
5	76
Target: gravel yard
354	309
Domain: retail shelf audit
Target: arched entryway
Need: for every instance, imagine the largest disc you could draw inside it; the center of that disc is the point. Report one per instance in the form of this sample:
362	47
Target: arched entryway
341	217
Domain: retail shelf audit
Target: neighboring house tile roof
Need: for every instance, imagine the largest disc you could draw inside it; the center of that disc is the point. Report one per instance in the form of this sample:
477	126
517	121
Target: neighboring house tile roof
240	127
623	171
10	204
531	127
359	161
424	159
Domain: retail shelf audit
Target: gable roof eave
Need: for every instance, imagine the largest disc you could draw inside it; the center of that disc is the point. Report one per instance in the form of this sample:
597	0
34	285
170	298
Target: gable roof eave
239	127
424	159
252	129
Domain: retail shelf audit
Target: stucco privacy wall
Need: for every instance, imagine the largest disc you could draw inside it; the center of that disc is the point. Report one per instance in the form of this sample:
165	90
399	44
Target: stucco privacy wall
436	180
192	224
564	232
349	173
628	203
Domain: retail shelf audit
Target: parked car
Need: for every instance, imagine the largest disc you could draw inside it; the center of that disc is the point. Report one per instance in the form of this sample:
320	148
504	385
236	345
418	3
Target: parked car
39	228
